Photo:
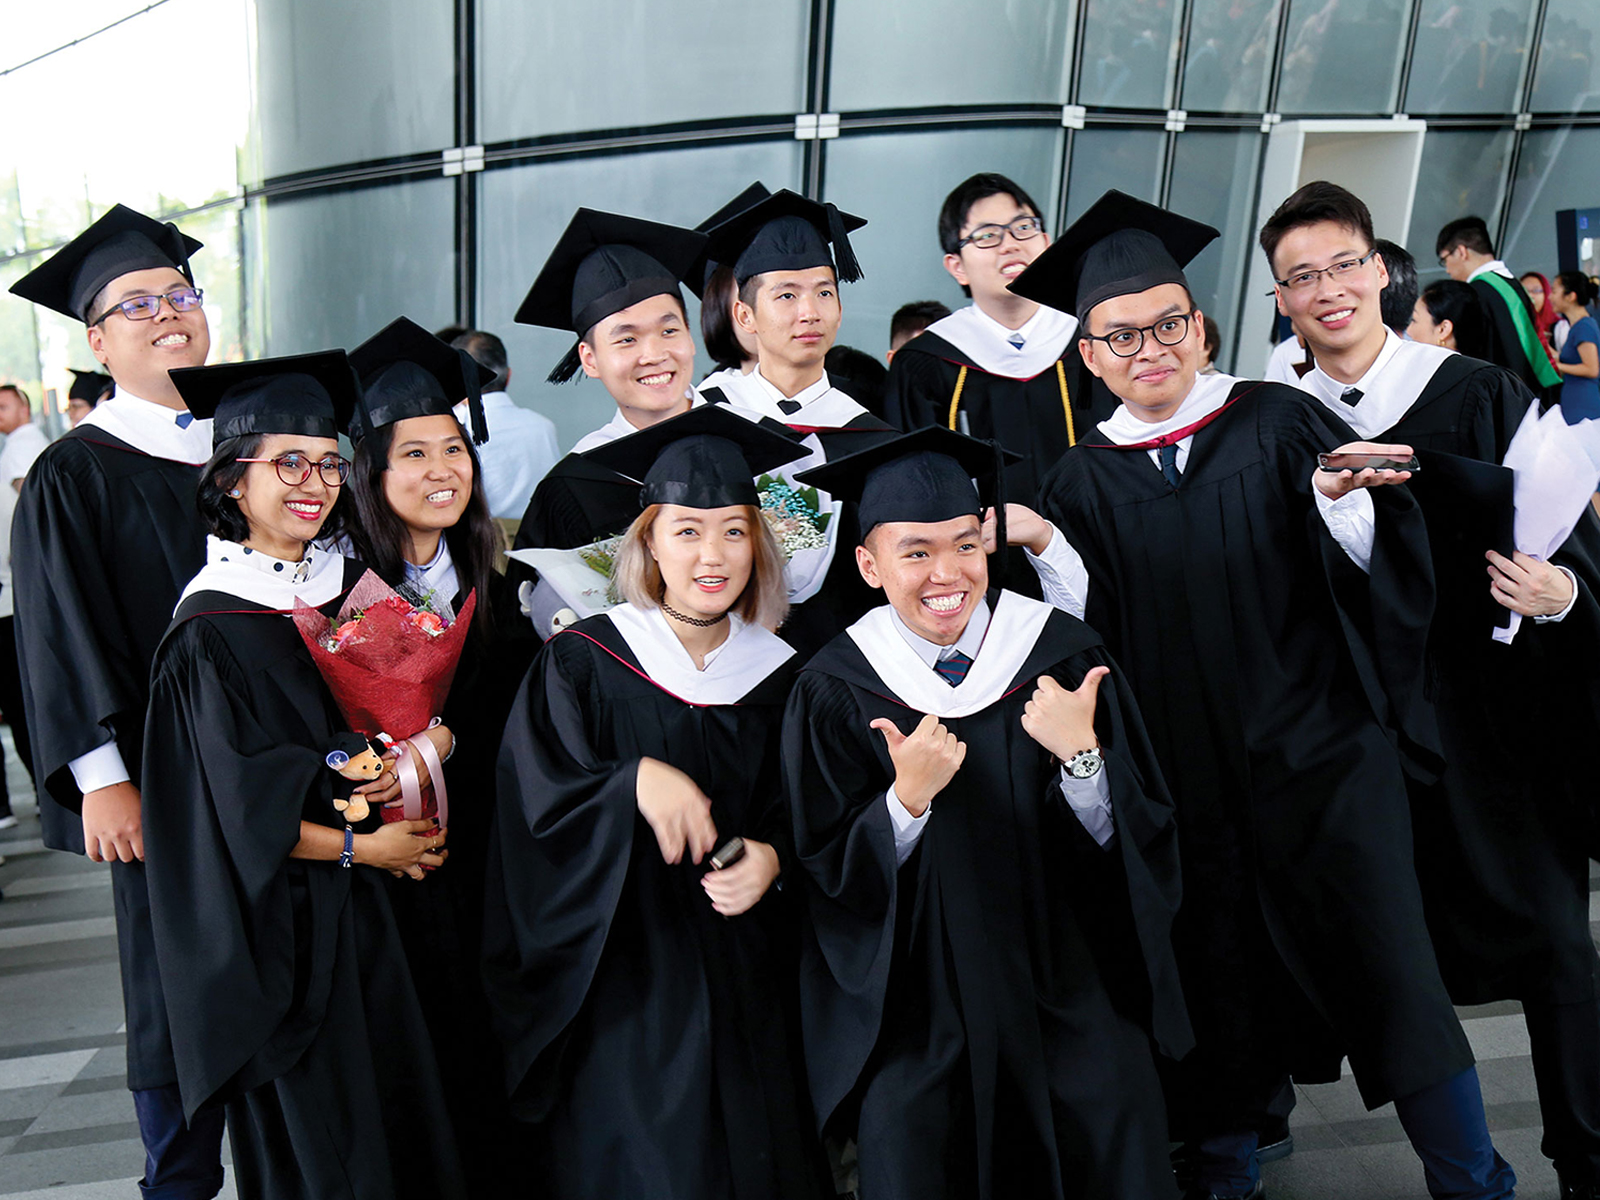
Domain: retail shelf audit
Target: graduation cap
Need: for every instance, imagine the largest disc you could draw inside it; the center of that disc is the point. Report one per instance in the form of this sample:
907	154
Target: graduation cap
922	477
117	244
705	458
603	264
406	371
1119	247
89	385
311	395
787	232
700	278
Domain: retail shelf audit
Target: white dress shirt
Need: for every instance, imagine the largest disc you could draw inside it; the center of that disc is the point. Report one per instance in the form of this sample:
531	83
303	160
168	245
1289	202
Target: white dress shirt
620	427
1022	353
23	444
1090	799
521	449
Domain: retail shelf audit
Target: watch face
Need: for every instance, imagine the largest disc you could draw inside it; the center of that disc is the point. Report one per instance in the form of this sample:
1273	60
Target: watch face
1084	765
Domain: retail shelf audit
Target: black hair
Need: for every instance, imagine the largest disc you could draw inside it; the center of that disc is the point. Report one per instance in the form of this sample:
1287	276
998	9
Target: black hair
380	538
865	378
222	474
487	351
1457	302
953	212
911	319
1314	203
21	395
1211	336
1580	285
717	333
1471	232
1399	298
451	332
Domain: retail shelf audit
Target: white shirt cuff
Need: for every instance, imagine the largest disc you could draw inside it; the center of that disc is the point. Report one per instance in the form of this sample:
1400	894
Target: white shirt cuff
1352	521
907	829
1063	576
1571	600
1090	801
99	768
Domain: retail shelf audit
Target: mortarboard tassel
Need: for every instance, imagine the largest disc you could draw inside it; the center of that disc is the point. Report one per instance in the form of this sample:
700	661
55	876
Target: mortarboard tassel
997	568
475	415
566	368
844	256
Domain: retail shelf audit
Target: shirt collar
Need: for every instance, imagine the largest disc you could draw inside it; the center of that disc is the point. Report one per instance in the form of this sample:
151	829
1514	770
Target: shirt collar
1326	387
1498	267
1210	392
152	428
803	397
969	643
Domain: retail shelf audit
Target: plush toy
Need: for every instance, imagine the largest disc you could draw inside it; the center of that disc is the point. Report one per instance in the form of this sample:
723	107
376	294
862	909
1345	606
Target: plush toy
360	761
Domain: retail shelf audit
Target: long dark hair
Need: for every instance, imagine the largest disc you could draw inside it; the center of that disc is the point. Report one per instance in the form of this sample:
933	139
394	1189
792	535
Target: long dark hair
380	538
219	510
717	333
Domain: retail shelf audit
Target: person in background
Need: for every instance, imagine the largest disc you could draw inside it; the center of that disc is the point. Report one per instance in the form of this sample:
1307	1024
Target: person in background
1511	339
522	447
859	375
733	349
1579	363
1451	315
1399	297
1211	341
87	390
910	320
25	441
1552	326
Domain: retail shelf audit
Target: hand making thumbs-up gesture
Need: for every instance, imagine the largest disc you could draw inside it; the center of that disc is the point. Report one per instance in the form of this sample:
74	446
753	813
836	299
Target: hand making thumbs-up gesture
924	760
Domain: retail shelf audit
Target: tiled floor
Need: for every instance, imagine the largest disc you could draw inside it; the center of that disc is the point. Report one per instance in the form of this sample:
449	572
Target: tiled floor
67	1129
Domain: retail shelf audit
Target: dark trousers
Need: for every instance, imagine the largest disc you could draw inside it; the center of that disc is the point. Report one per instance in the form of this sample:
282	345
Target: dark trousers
181	1161
1565	1043
11	705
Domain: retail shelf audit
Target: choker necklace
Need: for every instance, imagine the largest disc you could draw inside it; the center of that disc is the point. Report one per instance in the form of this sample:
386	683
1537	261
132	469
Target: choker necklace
698	622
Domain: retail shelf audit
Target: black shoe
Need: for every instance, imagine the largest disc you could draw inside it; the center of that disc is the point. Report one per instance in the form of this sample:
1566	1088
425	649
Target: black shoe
1259	1192
1281	1146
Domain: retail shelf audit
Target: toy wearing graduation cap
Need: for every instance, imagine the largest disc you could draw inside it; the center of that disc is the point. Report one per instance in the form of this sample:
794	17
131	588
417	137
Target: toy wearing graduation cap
1261	621
644	739
246	874
975	757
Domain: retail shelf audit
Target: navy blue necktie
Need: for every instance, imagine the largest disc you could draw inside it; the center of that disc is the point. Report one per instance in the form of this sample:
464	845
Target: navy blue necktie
1169	464
953	669
184	420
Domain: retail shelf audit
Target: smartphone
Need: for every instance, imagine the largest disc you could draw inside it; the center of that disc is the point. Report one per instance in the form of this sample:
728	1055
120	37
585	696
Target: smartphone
1360	462
730	852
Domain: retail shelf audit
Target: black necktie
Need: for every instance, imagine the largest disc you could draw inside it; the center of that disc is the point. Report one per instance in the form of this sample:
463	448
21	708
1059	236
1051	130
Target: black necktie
1169	464
1351	396
953	669
788	407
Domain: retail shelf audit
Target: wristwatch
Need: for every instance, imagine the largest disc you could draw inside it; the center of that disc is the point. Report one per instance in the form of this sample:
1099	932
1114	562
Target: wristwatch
1084	763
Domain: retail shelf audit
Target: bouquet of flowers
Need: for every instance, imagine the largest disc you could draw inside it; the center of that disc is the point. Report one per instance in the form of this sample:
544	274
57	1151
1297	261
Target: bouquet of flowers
389	664
801	519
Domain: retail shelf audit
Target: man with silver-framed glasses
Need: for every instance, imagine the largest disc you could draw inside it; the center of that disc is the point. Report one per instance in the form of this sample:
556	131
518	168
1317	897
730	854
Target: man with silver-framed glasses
106	535
1004	367
1272	617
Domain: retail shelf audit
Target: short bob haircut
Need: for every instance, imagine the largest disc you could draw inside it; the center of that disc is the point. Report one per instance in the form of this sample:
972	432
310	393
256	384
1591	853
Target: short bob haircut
765	599
717	333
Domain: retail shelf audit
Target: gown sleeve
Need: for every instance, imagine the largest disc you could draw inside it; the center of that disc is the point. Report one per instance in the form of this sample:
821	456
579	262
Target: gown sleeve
917	393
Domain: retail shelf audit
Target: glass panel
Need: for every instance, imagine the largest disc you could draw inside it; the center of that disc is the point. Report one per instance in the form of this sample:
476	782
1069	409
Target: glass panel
549	68
337	268
898	181
1342	58
1231	44
1558	168
1564	80
1015	53
339	82
1126	159
1466	176
1214	180
1469	56
523	210
1130	50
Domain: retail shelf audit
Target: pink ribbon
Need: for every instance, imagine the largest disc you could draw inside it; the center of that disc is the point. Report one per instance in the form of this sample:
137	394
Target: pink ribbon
411	782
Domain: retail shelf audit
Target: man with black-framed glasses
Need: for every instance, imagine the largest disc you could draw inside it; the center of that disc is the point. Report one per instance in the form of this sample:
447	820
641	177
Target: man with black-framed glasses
1004	367
106	535
1271	617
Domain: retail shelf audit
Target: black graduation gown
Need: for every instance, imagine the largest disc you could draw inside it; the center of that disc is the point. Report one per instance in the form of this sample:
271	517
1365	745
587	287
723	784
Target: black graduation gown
955	1019
286	980
1026	416
1241	625
104	539
646	1035
1504	347
1501	850
441	917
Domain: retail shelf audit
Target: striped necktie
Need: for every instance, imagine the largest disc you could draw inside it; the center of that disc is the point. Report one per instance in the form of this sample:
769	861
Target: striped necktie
953	669
1169	464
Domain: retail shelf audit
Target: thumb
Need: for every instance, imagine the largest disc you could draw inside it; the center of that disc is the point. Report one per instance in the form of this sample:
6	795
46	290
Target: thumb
890	731
1091	682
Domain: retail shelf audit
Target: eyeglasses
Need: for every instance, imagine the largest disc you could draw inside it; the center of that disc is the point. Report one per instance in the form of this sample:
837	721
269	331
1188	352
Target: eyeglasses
1339	270
989	237
1168	331
295	469
143	308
